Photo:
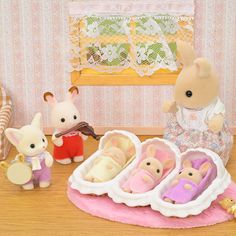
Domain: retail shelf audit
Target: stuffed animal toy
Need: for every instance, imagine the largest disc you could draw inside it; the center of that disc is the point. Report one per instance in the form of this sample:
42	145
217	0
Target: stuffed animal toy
185	186
113	159
65	115
148	173
229	205
198	115
32	143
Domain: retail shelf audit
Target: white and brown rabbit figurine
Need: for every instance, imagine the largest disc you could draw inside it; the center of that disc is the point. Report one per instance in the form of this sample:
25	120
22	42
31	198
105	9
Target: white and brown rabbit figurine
65	115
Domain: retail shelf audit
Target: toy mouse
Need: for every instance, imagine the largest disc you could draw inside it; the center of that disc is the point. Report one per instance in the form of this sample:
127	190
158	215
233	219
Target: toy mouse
198	115
148	173
111	161
229	204
185	186
65	115
32	143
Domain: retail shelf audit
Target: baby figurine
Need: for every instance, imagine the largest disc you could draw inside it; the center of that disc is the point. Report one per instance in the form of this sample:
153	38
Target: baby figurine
32	143
185	186
107	166
148	173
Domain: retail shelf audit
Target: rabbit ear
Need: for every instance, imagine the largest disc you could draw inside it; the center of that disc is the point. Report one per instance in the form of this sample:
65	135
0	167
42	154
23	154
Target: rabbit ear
204	168
185	53
49	98
187	163
168	164
203	67
36	122
14	136
72	93
151	150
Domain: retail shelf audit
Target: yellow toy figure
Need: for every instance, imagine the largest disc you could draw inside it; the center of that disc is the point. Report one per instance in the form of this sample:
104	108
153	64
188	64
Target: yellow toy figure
116	154
229	204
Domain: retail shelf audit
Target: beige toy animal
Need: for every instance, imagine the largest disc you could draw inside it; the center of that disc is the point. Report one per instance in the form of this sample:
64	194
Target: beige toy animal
111	161
198	115
185	186
31	142
229	205
148	173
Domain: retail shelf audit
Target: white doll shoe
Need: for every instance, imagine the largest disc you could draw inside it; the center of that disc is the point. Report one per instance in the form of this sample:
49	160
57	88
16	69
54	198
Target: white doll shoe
28	186
78	158
65	161
44	184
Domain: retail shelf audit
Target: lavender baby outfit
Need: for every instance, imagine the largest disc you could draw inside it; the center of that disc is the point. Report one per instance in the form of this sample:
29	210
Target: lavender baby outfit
41	173
179	194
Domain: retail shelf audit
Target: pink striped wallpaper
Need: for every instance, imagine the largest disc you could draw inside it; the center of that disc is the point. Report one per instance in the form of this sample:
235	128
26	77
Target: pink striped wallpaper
33	39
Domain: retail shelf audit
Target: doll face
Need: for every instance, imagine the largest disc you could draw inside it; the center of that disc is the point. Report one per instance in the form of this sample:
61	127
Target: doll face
193	92
197	85
64	115
33	142
153	166
190	174
29	140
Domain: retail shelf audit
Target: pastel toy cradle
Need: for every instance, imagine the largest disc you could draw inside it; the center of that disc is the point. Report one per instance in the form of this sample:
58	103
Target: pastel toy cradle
218	180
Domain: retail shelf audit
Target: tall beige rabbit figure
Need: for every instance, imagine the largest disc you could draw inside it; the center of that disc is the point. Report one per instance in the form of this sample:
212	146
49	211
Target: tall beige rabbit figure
197	113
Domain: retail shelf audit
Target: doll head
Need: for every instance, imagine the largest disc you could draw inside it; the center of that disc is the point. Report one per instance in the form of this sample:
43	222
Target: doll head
152	164
30	139
116	154
226	203
190	173
64	115
197	85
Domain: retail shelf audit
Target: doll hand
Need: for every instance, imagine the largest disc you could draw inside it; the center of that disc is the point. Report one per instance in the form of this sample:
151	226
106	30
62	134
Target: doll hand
84	137
216	123
188	186
169	107
57	141
174	182
147	179
48	160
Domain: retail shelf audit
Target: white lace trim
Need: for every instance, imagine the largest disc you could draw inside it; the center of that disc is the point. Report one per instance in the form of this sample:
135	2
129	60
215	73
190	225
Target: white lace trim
88	7
112	43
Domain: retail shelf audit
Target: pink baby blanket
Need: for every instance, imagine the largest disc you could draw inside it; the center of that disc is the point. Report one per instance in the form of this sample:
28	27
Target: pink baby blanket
104	207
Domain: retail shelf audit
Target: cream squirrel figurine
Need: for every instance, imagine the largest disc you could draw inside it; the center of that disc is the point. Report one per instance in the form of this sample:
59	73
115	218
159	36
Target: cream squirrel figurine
197	113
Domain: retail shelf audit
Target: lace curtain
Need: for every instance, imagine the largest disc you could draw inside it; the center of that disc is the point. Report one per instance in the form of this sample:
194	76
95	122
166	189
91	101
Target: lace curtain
110	38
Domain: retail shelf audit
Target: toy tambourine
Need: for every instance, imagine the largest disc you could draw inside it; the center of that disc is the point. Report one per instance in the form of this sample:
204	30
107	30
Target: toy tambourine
18	172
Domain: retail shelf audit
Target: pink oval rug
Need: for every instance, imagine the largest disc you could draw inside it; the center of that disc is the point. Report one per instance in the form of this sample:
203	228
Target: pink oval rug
104	207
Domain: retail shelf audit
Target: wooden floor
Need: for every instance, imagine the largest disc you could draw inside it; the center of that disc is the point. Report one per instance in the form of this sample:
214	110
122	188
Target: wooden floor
49	212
